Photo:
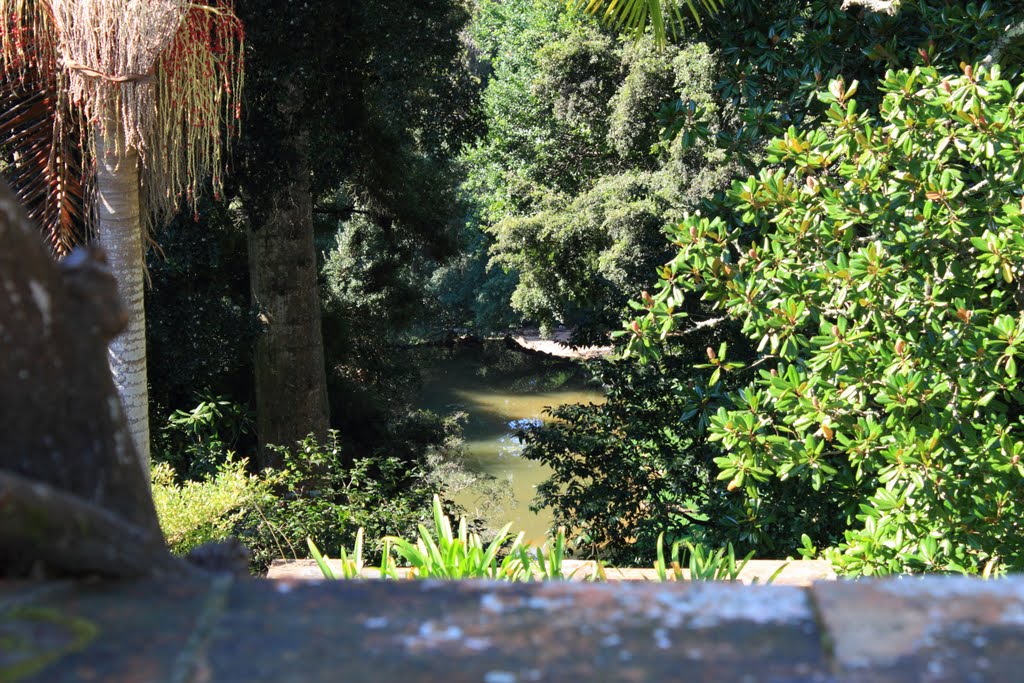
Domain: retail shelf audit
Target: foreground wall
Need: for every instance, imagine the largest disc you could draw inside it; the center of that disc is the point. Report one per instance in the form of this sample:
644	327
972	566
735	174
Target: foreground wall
219	629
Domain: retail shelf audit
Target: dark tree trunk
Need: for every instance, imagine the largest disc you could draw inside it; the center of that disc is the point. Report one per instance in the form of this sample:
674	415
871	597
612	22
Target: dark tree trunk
291	382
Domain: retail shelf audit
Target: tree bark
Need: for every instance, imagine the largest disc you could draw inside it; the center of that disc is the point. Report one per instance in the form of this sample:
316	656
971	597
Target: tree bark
291	381
119	232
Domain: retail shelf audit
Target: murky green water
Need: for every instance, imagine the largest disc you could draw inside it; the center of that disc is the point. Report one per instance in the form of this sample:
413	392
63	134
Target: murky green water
498	397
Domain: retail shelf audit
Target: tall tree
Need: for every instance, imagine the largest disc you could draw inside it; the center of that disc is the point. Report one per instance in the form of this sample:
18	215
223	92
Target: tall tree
147	89
275	178
354	110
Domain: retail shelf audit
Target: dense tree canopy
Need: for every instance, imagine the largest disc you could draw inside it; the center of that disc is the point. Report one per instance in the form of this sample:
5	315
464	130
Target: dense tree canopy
877	270
784	482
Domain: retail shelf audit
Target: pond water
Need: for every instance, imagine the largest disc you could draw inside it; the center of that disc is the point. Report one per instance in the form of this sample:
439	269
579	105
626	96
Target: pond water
500	394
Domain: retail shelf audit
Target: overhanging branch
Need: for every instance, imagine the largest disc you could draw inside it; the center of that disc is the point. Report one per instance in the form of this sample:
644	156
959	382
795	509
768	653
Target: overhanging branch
1011	34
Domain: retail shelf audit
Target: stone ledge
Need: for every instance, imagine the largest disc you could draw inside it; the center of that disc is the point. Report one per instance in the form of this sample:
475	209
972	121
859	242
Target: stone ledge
793	573
929	630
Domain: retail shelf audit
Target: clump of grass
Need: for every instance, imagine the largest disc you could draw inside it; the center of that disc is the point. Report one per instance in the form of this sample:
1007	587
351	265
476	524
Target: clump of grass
704	564
441	553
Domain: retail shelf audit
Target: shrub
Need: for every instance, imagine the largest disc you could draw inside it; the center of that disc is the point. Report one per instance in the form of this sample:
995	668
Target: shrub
198	512
323	496
878	270
620	474
195	442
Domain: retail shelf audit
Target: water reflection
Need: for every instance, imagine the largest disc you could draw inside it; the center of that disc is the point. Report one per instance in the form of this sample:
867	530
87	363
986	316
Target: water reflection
501	402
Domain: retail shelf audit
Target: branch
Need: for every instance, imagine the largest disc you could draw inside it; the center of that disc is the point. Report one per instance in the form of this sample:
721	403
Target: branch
685	514
40	523
881	6
759	361
1011	34
343	212
702	325
975	189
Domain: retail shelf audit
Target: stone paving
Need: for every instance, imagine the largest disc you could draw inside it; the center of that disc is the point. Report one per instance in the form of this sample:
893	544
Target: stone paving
931	630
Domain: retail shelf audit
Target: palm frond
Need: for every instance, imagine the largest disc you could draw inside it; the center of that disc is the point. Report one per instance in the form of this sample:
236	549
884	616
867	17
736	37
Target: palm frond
664	16
170	81
42	148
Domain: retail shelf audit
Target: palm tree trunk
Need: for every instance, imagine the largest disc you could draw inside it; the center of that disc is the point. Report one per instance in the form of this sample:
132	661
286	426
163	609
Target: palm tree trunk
120	234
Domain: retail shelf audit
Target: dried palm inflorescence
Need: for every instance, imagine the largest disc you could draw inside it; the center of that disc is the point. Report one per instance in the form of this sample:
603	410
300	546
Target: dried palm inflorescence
162	76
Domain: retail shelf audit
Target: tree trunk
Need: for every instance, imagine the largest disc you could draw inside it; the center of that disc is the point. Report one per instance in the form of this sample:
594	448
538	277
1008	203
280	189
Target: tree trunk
291	383
120	234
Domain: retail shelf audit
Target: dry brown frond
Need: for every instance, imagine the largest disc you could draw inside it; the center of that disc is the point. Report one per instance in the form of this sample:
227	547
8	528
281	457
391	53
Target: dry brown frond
166	73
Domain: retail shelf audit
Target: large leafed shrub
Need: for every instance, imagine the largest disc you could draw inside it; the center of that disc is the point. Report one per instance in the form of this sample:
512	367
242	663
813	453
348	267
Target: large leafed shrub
877	267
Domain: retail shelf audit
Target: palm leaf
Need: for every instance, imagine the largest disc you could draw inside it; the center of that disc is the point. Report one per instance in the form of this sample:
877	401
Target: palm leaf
42	147
663	15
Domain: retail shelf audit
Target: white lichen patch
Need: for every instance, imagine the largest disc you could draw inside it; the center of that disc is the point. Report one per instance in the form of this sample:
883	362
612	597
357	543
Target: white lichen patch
430	629
42	299
431	585
661	639
1013	614
489	602
709	605
433	634
500	677
944	587
550	604
612	640
476	644
376	623
556	601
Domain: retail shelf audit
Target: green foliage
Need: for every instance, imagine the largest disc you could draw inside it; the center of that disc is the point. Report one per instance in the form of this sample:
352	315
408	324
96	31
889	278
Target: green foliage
468	294
665	16
439	553
565	181
770	62
198	512
577	261
570	109
196	442
319	493
876	268
350	569
444	555
382	97
327	497
200	325
365	278
628	470
704	564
